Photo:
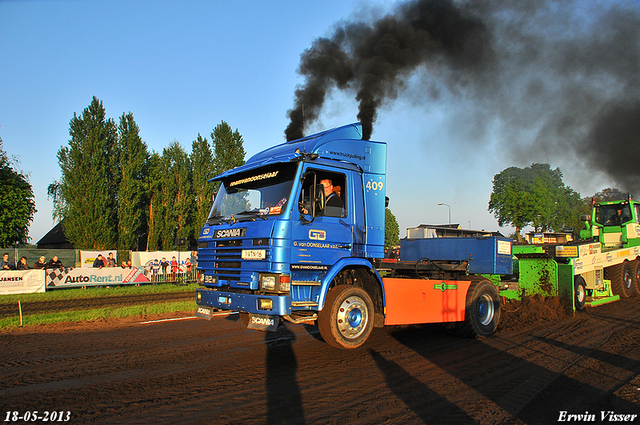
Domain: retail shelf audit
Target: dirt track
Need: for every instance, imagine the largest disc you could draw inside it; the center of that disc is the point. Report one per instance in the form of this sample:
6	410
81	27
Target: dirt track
194	371
41	307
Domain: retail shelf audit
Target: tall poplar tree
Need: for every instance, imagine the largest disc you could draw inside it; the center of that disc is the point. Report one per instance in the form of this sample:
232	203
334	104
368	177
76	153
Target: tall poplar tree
202	168
132	190
156	210
88	186
228	148
173	217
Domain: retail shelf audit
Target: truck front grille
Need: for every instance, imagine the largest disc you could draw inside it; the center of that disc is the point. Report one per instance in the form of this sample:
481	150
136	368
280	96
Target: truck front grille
224	259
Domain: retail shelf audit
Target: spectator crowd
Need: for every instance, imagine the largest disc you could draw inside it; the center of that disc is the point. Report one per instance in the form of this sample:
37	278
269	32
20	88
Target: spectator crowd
53	263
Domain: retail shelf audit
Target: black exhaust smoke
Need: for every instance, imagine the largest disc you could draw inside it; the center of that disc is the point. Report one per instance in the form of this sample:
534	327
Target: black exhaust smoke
558	78
373	59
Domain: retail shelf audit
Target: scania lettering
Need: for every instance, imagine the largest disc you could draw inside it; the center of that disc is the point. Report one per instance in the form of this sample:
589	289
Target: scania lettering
284	250
229	233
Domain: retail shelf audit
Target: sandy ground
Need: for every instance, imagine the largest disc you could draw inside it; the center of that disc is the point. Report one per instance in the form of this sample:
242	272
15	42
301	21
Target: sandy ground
538	365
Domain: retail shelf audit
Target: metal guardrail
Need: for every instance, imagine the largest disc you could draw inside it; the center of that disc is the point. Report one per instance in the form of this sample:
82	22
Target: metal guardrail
178	278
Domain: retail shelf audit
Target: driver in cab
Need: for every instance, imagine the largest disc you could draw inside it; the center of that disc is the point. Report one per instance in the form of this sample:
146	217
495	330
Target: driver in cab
333	201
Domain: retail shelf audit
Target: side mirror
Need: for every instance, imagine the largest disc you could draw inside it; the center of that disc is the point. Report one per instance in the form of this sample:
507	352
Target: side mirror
585	217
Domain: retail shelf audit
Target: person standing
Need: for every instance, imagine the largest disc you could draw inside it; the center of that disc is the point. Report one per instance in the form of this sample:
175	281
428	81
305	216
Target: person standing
98	262
174	265
22	265
41	263
111	262
54	263
164	264
5	264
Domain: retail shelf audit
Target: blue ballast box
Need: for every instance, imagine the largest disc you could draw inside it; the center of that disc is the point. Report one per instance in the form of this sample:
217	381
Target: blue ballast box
486	255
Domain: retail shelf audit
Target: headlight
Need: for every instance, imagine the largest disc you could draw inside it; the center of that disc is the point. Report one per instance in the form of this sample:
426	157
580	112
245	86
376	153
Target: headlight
275	283
268	283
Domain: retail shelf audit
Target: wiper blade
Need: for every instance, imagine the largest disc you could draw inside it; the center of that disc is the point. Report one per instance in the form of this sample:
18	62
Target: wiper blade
256	213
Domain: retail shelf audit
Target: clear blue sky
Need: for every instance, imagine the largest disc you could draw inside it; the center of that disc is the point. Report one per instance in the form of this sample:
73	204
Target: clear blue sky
181	67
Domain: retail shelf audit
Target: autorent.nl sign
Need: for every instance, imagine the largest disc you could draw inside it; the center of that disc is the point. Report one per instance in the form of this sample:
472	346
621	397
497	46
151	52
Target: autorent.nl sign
57	278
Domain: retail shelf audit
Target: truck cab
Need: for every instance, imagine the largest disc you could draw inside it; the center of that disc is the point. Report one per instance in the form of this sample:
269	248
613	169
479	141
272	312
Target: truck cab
288	222
615	224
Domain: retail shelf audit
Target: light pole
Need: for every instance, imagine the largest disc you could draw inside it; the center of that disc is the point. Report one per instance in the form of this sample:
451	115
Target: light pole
448	206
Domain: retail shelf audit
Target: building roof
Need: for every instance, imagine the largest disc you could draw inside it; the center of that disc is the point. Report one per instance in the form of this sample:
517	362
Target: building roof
55	237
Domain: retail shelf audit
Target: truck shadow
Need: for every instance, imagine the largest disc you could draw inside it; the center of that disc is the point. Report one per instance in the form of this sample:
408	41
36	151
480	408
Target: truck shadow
284	399
423	401
504	387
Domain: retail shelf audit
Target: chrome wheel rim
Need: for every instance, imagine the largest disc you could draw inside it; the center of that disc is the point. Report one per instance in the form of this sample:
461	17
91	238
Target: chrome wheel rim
352	317
485	310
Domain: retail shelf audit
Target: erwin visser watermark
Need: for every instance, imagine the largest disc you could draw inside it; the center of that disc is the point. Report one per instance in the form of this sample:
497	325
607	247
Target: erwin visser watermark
604	416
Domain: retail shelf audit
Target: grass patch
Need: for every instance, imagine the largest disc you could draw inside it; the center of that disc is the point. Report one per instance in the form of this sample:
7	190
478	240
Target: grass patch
97	314
97	292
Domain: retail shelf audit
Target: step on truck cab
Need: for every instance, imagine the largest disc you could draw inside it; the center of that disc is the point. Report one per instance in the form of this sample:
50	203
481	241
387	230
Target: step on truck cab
297	234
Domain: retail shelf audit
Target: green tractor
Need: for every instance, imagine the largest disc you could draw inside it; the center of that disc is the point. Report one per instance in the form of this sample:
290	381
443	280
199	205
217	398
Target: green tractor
603	266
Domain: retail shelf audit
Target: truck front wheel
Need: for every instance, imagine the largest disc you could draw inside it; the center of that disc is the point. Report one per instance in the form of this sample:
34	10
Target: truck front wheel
346	320
580	292
482	311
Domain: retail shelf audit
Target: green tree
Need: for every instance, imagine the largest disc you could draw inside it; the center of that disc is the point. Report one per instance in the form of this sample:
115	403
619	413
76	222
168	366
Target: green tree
535	196
608	194
132	190
17	203
156	206
228	148
173	197
202	168
87	190
391	230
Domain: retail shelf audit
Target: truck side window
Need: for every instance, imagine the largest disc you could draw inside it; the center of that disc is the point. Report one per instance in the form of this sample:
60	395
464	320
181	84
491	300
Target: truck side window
332	184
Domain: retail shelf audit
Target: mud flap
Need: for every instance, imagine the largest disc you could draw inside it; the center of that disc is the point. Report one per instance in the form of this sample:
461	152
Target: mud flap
263	323
204	313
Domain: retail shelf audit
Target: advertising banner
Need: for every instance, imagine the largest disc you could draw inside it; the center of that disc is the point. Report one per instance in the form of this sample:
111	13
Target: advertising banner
88	257
148	259
68	278
21	282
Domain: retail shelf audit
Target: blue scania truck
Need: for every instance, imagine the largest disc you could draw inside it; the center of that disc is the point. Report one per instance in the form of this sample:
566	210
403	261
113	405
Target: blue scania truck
297	234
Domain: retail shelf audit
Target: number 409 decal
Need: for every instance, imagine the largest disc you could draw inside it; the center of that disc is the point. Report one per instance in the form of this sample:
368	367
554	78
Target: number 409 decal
373	185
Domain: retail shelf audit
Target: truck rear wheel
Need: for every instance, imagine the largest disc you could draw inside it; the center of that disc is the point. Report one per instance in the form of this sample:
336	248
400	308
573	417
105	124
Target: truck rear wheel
622	278
482	311
636	284
580	289
346	320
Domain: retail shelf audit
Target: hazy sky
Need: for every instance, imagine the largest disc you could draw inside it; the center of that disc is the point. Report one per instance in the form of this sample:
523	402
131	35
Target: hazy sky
181	67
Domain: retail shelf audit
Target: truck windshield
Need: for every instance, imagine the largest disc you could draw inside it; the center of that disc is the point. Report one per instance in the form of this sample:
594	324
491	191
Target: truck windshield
259	193
613	215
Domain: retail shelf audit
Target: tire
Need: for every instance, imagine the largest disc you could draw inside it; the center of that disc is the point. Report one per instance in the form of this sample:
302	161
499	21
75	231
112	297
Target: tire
636	287
621	277
482	310
346	321
580	292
